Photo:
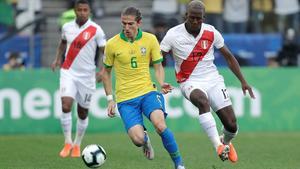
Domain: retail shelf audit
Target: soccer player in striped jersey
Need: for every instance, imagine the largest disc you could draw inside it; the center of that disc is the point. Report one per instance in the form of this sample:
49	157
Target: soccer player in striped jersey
192	45
80	39
130	54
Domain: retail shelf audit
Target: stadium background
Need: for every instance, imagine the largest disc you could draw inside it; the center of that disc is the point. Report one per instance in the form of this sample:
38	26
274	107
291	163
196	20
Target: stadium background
29	100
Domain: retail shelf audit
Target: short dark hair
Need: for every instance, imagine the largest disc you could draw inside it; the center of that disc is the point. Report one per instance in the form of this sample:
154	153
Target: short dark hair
14	55
81	2
196	4
134	12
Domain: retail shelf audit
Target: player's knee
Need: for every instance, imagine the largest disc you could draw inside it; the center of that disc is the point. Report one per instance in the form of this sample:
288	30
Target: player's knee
232	126
66	108
82	115
160	127
137	140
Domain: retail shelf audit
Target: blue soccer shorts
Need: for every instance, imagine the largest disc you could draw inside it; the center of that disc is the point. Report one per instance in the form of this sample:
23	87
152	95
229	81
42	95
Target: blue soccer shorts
132	110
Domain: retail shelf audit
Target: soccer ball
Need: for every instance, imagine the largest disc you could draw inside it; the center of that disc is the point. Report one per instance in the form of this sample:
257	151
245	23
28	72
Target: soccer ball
93	155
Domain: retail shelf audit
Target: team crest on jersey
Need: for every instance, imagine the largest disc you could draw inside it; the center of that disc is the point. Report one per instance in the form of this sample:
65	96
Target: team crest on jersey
143	51
86	35
204	44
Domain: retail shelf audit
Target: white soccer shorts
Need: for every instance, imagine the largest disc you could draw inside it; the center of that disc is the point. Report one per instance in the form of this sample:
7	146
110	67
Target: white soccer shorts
216	92
77	89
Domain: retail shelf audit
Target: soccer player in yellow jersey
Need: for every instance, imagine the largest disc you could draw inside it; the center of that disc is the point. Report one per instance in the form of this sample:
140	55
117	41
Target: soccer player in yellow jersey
130	54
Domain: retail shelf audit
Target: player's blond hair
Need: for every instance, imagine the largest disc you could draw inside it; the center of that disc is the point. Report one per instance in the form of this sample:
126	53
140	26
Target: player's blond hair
133	12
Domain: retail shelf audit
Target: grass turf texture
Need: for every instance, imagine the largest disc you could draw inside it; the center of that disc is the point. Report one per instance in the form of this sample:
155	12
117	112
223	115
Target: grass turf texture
255	150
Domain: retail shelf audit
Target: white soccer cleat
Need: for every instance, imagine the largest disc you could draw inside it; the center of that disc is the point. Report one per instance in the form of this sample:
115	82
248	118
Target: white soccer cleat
147	149
180	167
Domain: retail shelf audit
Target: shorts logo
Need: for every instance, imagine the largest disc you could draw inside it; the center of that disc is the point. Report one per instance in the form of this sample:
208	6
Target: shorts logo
63	90
204	44
86	35
143	51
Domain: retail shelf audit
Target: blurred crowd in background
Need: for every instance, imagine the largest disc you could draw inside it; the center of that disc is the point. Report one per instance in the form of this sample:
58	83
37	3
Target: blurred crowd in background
235	18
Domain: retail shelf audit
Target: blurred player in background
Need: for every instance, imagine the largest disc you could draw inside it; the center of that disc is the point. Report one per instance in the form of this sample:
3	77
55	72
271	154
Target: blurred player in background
80	39
14	62
198	77
130	53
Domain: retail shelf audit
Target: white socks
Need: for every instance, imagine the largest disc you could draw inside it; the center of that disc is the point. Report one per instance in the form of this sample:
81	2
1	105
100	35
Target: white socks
81	127
208	123
228	136
66	124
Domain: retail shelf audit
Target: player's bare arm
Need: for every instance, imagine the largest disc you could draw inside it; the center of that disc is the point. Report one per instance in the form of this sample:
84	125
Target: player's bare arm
235	68
59	53
100	65
160	77
106	79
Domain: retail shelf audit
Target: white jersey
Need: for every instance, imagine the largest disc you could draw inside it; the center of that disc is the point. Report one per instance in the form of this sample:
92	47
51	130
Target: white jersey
193	56
81	49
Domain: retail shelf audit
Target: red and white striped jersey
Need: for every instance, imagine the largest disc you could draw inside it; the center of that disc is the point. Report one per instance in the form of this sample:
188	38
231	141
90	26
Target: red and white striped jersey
81	48
193	56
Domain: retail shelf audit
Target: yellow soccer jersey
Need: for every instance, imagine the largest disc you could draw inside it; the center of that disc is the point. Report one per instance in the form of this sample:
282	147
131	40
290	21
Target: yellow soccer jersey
131	63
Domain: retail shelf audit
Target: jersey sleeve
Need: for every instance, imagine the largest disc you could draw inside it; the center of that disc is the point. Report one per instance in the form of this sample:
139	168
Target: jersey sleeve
100	37
219	40
108	58
166	43
155	51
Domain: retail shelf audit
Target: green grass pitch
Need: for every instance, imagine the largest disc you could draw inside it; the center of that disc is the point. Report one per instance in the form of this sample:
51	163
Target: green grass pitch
255	150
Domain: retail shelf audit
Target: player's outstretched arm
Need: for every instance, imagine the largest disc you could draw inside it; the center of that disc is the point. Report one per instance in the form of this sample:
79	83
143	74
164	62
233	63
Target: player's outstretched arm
59	54
235	68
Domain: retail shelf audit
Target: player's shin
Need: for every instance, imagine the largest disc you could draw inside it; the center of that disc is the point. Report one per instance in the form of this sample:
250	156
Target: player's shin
170	145
81	127
228	136
208	123
66	124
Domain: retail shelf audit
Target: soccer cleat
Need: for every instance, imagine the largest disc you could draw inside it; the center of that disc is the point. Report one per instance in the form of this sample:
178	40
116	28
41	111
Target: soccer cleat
66	150
147	149
75	151
232	155
223	151
180	167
